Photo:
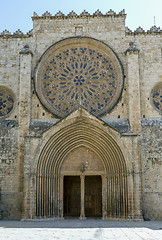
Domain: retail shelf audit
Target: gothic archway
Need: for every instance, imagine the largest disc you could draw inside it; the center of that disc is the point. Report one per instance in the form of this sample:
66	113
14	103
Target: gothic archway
116	200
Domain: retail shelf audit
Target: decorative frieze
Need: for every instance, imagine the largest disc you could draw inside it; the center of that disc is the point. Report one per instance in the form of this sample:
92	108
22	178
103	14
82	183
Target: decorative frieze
111	12
85	14
139	30
46	14
18	32
98	13
5	32
154	29
59	14
73	14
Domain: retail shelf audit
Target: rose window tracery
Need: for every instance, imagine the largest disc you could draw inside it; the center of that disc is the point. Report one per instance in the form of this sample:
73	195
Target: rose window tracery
6	101
75	72
156	96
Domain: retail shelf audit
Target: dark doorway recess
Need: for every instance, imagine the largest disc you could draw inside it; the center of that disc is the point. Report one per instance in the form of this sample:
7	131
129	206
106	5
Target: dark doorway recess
93	196
72	196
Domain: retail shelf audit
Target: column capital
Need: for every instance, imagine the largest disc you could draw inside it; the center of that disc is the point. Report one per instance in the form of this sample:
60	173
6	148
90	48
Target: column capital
26	50
104	176
61	177
132	49
82	176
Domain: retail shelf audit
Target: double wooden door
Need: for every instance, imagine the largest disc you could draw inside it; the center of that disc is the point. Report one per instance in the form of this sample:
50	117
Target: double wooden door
72	196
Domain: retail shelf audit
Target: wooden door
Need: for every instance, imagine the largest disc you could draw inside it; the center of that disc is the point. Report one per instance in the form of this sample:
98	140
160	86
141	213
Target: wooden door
93	196
72	196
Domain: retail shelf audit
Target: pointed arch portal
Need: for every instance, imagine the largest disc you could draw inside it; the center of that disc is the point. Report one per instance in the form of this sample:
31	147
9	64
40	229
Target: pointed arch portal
61	157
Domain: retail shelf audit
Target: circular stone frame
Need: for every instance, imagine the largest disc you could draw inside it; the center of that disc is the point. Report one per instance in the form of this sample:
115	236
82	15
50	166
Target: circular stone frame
156	97
80	76
10	100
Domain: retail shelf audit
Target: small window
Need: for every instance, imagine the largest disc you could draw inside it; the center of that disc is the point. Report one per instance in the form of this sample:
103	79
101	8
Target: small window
156	97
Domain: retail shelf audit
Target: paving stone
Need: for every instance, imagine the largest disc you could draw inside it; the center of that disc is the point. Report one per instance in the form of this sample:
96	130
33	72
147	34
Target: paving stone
80	230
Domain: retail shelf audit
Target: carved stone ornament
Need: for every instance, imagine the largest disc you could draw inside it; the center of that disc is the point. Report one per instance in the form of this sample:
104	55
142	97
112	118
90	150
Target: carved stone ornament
6	101
85	13
79	71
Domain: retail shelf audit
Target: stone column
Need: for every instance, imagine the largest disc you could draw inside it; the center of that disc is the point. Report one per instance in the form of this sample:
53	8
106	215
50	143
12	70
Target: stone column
133	89
24	121
135	121
25	88
137	179
82	210
61	197
104	197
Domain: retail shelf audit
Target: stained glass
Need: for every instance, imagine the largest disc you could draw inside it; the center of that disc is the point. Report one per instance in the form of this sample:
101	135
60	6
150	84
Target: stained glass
79	74
6	101
157	97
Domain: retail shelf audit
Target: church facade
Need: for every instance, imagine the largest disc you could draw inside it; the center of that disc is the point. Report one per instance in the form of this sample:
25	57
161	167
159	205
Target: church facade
81	119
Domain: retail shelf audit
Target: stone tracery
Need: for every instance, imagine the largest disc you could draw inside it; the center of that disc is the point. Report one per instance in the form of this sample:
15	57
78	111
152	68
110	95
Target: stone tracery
79	74
6	101
157	96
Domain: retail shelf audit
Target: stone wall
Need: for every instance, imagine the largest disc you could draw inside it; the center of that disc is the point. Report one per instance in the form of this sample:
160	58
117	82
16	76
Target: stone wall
9	170
151	150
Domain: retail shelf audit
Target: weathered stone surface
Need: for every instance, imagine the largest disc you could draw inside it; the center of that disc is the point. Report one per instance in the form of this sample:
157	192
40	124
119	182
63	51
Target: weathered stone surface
151	152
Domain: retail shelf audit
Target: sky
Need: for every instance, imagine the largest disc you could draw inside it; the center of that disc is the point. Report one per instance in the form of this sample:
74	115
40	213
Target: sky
16	14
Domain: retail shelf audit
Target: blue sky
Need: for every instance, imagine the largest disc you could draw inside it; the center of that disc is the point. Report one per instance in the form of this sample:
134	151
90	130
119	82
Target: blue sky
16	14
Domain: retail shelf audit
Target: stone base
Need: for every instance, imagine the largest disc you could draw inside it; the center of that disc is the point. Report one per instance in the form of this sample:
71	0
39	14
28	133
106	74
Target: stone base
82	218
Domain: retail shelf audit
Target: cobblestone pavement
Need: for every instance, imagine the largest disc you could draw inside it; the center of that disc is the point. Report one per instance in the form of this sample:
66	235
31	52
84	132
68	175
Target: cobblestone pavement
75	229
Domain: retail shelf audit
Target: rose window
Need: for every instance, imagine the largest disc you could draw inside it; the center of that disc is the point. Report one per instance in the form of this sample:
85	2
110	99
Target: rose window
156	96
6	101
79	71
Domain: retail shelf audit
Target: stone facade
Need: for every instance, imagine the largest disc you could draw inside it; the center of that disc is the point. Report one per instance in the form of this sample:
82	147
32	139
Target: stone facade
113	133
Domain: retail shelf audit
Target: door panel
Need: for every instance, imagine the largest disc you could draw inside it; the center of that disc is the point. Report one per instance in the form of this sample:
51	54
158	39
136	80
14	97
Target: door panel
72	196
93	196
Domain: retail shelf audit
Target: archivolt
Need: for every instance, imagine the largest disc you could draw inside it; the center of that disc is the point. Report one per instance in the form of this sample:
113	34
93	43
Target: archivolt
80	133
